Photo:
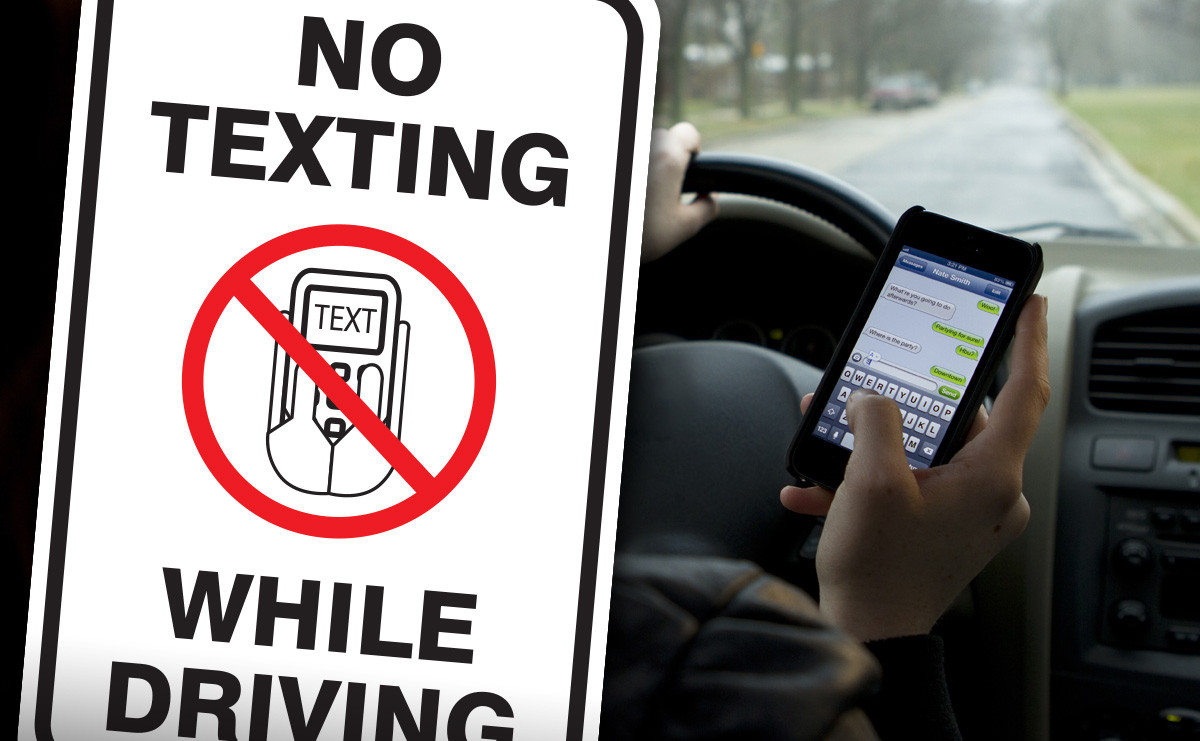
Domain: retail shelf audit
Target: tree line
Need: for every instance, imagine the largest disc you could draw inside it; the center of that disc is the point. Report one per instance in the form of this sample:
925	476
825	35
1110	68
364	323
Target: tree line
742	53
748	51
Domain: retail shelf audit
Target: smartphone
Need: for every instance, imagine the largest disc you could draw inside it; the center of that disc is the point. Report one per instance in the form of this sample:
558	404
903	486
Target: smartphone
937	316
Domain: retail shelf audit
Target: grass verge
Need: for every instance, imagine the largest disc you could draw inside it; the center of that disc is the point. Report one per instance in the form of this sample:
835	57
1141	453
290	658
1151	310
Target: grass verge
1156	129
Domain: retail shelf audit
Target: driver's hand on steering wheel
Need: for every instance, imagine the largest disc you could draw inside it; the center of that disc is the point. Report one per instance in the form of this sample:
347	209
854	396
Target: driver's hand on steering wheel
899	545
669	221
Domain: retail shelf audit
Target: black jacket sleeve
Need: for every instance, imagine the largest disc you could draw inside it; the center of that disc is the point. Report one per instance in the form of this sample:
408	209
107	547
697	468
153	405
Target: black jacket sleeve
707	649
913	701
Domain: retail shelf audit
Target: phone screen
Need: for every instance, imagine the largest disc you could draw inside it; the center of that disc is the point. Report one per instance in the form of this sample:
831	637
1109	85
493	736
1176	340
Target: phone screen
920	346
345	319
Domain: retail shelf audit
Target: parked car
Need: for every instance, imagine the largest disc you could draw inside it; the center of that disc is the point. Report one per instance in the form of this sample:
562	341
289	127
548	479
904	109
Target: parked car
903	91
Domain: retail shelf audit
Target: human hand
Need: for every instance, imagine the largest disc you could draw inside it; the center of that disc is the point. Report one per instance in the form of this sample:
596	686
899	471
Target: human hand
669	221
900	544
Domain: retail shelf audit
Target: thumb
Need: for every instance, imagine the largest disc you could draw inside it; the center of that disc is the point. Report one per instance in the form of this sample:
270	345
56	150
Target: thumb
878	457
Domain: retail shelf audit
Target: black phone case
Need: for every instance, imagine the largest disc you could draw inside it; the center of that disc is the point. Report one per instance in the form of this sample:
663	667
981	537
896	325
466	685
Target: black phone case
973	394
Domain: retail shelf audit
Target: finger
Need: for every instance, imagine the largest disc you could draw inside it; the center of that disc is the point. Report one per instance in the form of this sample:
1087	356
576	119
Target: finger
806	402
667	165
693	216
304	394
978	424
878	457
812	500
1019	405
686	135
671	149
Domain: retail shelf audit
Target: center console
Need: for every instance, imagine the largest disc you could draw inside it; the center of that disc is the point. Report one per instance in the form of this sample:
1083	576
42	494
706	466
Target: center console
1125	658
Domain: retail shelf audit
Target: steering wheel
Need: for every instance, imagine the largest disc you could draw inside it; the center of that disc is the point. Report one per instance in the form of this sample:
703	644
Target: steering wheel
861	217
709	422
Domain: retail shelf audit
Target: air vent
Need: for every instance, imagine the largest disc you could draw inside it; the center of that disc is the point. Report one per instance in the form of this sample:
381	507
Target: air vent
1148	363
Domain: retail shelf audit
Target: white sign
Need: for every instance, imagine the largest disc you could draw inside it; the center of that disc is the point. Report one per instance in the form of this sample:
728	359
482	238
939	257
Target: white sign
340	359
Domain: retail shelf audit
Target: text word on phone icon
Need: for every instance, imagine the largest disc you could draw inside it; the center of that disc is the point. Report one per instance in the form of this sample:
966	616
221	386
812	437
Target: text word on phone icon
353	321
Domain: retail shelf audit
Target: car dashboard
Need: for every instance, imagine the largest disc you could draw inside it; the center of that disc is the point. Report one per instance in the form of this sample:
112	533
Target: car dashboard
1089	623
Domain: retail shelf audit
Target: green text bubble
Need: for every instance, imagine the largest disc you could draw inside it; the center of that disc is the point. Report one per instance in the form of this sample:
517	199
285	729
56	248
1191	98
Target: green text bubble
950	393
946	375
969	353
958	334
990	307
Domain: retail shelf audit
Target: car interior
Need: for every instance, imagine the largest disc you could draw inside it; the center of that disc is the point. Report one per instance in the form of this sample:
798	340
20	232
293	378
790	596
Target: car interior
1086	627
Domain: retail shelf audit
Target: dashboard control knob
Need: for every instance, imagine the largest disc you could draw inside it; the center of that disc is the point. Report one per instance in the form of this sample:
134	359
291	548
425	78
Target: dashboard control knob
1133	557
1130	618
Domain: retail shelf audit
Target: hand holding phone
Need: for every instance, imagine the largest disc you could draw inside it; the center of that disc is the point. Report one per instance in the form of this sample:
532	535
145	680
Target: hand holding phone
900	544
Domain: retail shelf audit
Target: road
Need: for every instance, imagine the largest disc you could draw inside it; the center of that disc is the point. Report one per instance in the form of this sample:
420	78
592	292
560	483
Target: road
1003	159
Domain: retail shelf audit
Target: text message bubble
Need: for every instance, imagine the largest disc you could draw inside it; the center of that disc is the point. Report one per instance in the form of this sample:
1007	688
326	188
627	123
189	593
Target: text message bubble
990	307
919	301
950	376
958	334
892	339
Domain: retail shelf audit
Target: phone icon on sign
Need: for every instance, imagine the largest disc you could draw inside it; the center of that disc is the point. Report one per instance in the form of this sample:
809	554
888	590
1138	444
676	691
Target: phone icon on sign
353	321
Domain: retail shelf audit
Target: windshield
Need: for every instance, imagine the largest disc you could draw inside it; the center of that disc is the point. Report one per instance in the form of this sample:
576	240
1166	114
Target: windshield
1081	114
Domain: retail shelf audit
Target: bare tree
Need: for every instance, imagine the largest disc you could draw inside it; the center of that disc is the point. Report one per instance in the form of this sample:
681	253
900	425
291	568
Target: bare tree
1166	44
672	69
792	81
747	21
940	36
867	26
1182	15
1066	26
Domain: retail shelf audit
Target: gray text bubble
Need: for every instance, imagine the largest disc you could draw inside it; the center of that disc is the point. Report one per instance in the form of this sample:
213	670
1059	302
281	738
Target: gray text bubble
919	301
892	339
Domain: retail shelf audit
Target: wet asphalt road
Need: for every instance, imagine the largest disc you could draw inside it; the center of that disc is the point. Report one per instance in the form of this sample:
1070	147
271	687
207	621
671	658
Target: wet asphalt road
1008	161
1004	159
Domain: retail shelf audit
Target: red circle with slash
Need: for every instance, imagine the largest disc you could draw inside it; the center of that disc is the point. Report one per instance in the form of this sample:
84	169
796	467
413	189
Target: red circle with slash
428	488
